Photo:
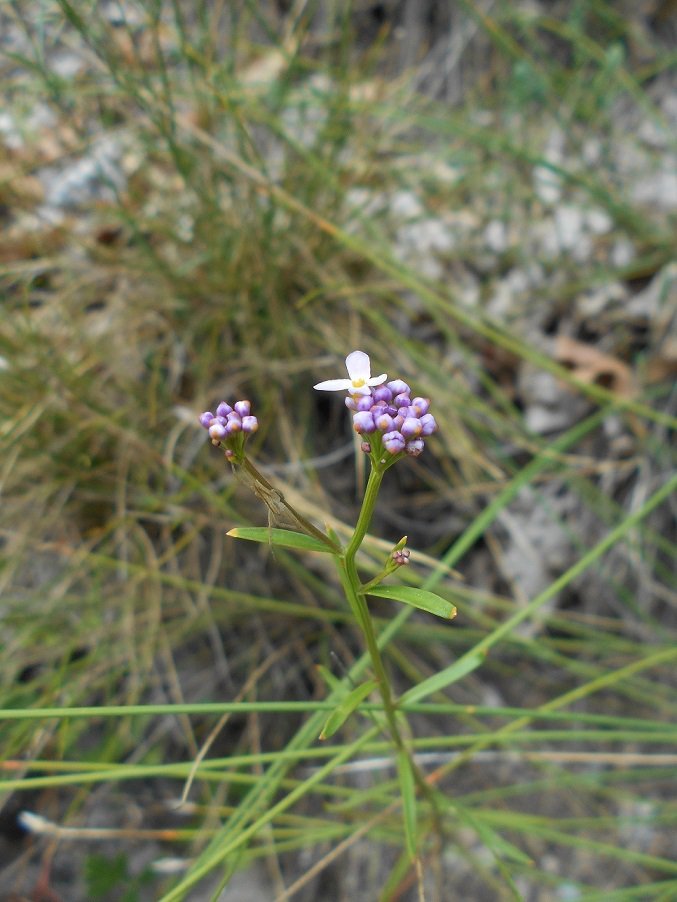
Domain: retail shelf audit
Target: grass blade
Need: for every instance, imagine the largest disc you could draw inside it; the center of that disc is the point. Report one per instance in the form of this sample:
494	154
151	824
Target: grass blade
339	716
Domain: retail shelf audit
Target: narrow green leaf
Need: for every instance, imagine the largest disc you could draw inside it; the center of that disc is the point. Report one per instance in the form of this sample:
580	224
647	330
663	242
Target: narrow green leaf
465	665
340	714
332	682
417	598
408	792
284	537
499	846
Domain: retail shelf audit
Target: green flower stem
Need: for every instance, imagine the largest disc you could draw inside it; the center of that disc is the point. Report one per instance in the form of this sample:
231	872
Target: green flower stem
354	591
367	511
282	512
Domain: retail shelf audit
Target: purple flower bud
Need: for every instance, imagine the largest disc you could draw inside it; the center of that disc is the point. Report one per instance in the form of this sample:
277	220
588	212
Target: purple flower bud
234	423
206	419
223	409
366	447
402	556
428	424
383	393
364	402
411	428
394	442
217	432
243	408
363	422
397	387
222	420
385	422
249	424
421	406
230	454
414	448
350	403
397	421
402	399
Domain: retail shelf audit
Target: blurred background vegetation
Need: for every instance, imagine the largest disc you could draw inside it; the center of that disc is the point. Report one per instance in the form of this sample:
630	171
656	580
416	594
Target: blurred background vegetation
214	200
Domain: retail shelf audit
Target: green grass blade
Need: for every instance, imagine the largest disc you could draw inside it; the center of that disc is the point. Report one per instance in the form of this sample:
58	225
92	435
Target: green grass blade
339	716
437	682
405	776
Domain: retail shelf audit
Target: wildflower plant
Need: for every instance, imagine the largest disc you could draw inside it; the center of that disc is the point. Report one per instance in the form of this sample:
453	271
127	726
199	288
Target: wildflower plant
393	426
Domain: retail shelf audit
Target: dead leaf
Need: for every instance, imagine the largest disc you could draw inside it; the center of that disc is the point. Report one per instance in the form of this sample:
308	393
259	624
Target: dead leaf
590	365
663	365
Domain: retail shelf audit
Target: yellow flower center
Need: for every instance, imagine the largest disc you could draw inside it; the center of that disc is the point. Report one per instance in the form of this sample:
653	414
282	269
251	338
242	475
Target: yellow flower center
358	383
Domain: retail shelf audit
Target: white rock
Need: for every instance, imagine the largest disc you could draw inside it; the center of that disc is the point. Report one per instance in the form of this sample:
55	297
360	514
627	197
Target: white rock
547	185
94	177
10	134
405	205
622	253
598	221
420	244
657	190
496	236
657	303
548	405
591	152
67	65
600	300
501	303
569	224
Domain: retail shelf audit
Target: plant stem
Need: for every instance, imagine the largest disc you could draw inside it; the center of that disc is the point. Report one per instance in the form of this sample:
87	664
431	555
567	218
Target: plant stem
366	512
354	590
278	507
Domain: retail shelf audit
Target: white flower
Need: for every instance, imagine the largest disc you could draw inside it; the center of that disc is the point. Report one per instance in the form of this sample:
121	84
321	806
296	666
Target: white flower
359	370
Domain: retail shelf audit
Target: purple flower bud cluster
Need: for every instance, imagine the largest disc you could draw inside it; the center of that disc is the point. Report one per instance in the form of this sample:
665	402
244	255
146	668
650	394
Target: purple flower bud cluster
403	422
229	422
401	556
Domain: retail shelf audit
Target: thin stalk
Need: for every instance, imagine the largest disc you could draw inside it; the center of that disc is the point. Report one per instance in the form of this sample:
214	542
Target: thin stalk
279	509
354	591
366	513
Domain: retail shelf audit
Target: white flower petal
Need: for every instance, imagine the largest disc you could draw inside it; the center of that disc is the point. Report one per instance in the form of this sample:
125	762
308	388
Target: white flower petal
377	380
358	366
334	385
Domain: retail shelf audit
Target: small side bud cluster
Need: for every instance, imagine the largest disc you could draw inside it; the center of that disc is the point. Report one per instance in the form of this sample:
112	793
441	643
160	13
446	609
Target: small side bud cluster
402	421
230	426
401	556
